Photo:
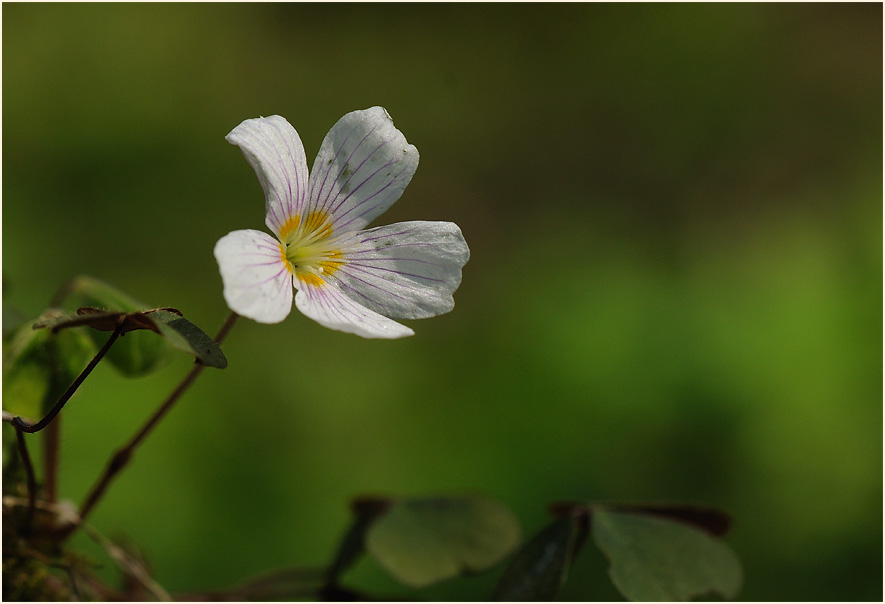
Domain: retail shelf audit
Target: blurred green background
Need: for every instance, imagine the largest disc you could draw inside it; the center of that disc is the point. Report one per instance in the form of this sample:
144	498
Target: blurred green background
675	290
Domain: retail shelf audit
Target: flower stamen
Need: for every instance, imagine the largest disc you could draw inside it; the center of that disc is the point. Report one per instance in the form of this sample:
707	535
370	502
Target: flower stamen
308	247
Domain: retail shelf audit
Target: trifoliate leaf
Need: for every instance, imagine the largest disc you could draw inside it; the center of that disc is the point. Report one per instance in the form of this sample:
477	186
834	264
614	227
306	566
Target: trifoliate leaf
656	559
103	307
423	541
539	569
135	354
167	322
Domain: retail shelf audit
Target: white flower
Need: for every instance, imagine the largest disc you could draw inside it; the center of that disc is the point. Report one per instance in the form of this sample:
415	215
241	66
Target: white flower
346	278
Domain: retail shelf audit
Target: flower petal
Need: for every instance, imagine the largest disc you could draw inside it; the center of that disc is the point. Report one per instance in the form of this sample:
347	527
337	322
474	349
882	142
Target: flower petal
326	305
362	168
257	281
273	148
407	270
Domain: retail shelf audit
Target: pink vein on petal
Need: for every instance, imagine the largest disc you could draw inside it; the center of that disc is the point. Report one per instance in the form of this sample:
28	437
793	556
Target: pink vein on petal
293	158
267	166
326	170
368	284
388	235
365	269
357	170
366	200
325	203
365	180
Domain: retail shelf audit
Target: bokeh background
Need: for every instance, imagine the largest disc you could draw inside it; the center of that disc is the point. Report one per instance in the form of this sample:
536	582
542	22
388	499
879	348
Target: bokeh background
675	290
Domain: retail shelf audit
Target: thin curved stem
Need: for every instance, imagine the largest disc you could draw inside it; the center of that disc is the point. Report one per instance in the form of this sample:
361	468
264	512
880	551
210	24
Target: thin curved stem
122	457
23	426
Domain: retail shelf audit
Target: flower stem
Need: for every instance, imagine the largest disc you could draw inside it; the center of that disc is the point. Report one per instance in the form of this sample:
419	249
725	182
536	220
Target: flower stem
52	436
23	426
32	482
122	457
50	461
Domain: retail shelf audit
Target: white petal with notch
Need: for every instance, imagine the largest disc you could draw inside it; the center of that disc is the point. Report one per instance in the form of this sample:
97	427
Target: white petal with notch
362	168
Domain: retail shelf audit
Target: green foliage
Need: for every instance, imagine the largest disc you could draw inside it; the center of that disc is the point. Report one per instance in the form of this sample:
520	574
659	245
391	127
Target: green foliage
41	360
43	357
136	354
423	541
657	552
167	322
656	559
540	568
38	365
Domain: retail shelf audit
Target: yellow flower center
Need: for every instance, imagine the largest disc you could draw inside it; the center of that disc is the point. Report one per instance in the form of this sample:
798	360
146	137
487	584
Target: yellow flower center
308	248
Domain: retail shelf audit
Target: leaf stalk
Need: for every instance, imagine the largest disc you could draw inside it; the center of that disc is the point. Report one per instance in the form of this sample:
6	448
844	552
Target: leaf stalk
121	458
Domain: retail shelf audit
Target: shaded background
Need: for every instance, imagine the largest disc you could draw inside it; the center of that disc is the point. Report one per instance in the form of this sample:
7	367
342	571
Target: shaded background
674	294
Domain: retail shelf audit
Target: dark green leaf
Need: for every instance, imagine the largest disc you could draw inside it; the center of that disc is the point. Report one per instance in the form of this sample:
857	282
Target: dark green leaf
655	559
423	541
186	336
539	569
